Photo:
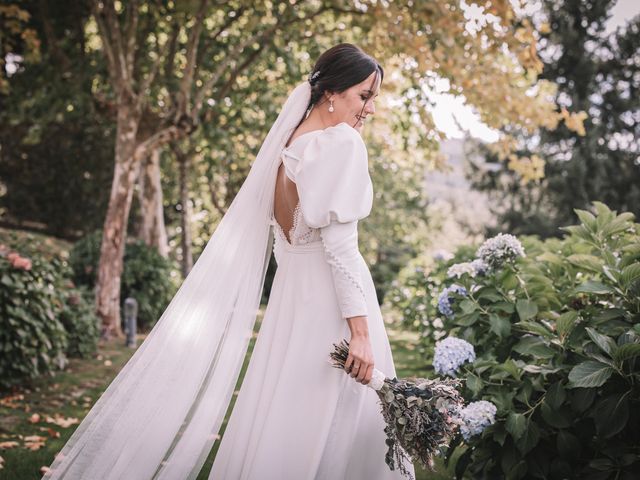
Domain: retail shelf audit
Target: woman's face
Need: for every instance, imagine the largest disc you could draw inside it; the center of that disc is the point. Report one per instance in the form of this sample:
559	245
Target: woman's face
348	104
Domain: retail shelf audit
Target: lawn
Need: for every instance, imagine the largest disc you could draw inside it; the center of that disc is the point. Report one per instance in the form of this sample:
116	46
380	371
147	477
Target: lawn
35	422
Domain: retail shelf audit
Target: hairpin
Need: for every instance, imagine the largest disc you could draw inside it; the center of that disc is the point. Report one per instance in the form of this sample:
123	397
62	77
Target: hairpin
313	77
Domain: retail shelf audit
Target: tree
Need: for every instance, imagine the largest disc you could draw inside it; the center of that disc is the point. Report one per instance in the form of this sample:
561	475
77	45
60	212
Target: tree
595	74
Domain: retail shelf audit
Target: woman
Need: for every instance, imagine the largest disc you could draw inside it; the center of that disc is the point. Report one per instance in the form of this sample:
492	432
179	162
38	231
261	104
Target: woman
296	417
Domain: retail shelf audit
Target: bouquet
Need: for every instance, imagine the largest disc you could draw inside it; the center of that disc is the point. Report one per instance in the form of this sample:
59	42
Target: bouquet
421	414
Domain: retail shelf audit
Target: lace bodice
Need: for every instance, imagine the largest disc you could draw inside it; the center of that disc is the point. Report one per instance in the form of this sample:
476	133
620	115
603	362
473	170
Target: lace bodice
329	168
300	233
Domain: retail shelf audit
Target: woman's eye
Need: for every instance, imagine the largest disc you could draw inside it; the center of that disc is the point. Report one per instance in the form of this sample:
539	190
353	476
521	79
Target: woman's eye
364	98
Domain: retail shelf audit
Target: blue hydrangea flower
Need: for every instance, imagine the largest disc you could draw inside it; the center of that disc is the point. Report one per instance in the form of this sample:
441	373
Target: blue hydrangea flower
450	354
445	302
475	417
500	249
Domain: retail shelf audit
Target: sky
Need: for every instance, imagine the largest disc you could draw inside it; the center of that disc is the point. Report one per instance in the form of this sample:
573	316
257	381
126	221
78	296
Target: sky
451	113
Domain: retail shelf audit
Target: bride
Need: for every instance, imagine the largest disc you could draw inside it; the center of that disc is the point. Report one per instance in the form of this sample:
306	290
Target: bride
296	417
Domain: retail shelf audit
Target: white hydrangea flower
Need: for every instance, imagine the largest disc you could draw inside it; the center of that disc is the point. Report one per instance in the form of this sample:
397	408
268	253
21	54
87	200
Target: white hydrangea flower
500	249
460	269
476	267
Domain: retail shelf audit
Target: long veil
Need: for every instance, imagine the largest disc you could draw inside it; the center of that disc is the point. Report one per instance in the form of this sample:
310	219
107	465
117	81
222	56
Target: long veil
159	417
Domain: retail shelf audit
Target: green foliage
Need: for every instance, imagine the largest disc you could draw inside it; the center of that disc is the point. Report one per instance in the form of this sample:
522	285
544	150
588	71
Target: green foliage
44	318
33	340
148	276
80	321
415	295
557	338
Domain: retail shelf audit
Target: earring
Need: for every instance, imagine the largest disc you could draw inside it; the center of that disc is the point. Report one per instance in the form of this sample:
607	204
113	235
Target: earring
331	106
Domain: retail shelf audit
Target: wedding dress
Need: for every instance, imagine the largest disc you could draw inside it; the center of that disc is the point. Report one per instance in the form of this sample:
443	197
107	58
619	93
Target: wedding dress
296	417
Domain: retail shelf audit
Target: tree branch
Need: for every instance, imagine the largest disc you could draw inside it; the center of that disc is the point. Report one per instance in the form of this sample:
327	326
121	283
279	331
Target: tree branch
131	27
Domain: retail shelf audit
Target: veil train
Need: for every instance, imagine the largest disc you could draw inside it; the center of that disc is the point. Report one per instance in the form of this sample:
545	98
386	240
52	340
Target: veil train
160	416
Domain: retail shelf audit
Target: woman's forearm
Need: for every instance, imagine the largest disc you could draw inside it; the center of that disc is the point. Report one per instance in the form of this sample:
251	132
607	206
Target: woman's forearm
359	326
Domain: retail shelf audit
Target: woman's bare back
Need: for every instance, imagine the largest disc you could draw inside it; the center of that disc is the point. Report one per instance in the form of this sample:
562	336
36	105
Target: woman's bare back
286	193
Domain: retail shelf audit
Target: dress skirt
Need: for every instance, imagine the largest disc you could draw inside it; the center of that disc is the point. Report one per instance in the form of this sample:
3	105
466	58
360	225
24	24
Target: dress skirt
296	417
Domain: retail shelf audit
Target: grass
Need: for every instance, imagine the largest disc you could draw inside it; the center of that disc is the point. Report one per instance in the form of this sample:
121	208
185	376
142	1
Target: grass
71	393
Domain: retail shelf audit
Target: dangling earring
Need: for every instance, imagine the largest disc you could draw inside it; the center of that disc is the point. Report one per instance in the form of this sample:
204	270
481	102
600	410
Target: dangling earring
331	106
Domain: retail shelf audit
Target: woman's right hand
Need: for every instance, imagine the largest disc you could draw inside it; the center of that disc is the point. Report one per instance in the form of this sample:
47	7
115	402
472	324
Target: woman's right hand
359	362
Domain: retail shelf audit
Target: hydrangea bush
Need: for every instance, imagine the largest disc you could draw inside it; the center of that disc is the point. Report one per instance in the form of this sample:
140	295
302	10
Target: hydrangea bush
414	295
555	327
44	319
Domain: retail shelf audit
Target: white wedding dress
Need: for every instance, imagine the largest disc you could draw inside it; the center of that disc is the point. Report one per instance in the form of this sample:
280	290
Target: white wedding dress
296	417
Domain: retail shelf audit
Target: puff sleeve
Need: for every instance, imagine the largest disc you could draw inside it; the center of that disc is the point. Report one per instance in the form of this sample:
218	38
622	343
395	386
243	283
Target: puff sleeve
335	191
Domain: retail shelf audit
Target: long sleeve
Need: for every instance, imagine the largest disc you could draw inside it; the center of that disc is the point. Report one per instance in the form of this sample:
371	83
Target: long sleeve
335	191
340	242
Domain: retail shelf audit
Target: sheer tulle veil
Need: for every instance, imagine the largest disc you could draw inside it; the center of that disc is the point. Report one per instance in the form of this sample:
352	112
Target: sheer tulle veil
159	417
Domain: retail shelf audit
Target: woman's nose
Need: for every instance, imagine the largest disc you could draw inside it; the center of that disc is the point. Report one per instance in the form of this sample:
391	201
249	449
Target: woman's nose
370	109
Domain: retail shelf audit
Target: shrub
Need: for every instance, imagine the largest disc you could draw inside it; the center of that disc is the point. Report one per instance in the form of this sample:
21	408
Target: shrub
557	339
33	340
414	294
80	321
148	276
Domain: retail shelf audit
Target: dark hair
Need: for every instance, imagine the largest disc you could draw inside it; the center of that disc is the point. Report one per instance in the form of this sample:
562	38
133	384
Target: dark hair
339	68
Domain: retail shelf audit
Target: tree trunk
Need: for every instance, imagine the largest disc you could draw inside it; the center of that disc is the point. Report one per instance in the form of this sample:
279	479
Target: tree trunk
152	229
115	225
185	213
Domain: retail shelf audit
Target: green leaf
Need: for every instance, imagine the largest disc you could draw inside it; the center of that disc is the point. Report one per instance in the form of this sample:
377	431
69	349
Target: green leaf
505	307
474	383
530	438
586	262
587	219
490	294
565	322
554	418
582	398
611	414
466	320
510	367
551	258
500	325
605	343
555	396
630	274
536	328
526	309
626	352
568	445
533	346
509	281
589	374
597	288
516	425
467	306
